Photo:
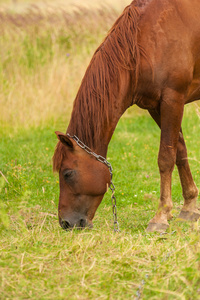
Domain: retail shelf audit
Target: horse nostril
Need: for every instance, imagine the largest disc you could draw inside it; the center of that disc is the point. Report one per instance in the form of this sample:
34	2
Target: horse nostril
82	223
65	225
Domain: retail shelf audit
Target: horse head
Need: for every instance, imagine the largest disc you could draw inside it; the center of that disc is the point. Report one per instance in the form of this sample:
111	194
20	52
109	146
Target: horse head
83	183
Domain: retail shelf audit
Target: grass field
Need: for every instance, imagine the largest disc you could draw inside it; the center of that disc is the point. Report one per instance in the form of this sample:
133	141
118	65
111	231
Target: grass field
43	57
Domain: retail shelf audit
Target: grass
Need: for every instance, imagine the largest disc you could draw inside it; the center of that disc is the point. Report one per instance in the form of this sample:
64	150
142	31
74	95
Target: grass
39	260
20	6
43	58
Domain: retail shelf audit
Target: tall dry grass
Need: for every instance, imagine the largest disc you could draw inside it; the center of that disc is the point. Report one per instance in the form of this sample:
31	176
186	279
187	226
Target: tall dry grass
22	5
44	54
45	49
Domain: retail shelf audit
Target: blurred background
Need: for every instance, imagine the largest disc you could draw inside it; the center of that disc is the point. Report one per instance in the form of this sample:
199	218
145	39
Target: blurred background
45	49
69	4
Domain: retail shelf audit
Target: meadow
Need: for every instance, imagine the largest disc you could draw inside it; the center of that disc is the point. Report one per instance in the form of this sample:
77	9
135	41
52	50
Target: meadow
45	49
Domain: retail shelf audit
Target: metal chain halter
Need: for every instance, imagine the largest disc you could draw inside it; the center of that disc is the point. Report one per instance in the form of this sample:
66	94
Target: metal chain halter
105	162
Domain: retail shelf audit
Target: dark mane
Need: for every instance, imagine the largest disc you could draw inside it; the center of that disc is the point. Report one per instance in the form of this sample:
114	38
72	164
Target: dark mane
93	105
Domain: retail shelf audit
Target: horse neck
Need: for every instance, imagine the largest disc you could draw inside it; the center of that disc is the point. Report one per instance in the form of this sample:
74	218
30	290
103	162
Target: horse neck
106	90
94	122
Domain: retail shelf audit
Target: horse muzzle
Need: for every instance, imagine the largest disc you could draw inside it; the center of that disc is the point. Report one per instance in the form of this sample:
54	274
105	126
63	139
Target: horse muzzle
81	223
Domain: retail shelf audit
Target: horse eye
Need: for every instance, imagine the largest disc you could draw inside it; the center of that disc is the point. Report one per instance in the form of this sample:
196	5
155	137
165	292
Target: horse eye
68	174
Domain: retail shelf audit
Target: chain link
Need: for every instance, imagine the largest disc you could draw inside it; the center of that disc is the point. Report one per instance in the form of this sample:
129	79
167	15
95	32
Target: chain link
112	187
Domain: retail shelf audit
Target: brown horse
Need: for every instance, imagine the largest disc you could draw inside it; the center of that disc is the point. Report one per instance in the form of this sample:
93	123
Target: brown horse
151	58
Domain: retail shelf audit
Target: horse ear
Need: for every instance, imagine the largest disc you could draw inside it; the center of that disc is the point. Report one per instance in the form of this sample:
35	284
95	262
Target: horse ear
65	140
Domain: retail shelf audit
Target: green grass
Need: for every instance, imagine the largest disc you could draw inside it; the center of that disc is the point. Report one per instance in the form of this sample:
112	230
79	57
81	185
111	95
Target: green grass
42	63
39	260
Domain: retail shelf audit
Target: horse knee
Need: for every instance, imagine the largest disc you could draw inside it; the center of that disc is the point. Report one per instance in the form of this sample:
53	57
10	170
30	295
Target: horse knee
166	160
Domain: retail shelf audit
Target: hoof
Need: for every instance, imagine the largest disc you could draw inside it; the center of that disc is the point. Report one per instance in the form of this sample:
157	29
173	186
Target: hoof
188	216
160	227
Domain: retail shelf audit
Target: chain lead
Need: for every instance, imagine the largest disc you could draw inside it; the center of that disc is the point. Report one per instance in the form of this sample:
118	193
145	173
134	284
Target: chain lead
112	187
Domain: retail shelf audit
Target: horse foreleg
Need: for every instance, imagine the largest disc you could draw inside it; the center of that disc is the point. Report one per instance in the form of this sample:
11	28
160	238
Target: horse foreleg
171	112
190	191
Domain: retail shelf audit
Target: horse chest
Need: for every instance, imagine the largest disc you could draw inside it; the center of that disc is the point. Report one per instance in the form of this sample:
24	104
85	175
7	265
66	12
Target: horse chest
147	102
148	96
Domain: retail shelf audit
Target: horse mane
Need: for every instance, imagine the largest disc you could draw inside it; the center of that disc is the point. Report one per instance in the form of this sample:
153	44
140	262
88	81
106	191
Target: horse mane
93	105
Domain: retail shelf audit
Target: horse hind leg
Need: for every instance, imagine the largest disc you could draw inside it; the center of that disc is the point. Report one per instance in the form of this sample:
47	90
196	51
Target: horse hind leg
189	211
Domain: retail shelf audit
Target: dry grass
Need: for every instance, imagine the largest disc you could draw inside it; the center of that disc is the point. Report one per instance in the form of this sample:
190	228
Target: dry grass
44	54
69	5
98	264
43	58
